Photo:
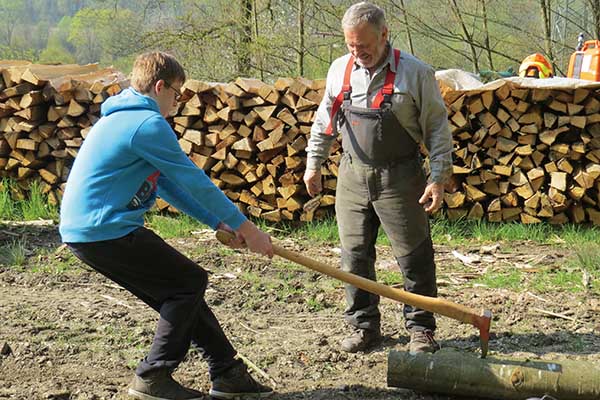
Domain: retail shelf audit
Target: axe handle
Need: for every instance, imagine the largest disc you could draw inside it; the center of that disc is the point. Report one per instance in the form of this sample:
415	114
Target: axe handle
432	304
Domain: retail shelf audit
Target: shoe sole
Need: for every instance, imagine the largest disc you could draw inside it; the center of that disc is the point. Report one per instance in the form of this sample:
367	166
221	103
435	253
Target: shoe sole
144	396
230	396
363	348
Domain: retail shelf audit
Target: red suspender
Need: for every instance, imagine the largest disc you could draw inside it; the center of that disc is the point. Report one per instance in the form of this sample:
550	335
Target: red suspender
346	88
388	86
388	89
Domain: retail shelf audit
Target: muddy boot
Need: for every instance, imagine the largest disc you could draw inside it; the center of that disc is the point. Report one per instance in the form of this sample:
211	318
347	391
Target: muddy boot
422	342
361	340
159	385
235	383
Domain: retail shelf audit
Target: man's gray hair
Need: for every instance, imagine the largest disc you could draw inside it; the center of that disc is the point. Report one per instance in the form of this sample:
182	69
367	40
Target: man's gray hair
364	12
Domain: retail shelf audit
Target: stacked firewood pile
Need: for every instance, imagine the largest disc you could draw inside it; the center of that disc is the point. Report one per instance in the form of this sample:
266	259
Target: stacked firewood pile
525	154
520	153
250	137
45	114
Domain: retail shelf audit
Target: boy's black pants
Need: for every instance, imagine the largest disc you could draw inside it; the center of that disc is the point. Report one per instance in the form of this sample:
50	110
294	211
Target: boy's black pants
173	285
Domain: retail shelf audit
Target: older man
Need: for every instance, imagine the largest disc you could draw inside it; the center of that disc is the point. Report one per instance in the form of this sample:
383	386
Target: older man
384	103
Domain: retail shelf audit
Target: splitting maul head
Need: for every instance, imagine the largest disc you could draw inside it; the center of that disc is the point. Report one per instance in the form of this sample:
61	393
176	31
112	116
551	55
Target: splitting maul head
483	323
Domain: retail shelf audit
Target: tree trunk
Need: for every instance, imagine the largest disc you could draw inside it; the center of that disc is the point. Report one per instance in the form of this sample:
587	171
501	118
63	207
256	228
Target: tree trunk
595	6
408	34
245	39
468	36
256	33
300	59
487	35
545	6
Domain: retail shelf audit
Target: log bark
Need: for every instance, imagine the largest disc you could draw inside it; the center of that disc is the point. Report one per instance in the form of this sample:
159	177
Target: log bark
451	372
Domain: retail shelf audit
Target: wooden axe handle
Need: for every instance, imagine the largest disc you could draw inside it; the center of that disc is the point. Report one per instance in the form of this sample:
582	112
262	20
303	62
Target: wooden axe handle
432	304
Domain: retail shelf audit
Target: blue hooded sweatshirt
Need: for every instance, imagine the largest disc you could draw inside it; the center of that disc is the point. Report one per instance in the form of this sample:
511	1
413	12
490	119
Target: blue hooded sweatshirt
129	156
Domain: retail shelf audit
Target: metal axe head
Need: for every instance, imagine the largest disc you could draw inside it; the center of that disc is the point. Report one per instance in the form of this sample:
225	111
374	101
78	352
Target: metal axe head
483	323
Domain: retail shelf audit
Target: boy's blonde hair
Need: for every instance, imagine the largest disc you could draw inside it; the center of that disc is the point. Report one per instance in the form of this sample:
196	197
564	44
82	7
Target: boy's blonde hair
153	66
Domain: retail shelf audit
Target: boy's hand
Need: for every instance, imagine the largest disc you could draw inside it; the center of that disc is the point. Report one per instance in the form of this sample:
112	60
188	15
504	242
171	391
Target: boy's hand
237	242
255	239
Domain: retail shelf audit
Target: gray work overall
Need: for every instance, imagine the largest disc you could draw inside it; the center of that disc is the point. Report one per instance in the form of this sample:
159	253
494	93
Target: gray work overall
380	180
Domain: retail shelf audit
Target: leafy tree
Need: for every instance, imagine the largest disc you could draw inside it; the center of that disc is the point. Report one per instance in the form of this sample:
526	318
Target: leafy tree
92	40
56	54
219	40
11	14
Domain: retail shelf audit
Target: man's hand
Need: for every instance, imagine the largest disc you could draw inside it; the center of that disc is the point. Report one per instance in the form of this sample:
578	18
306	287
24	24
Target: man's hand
432	197
312	180
255	239
237	242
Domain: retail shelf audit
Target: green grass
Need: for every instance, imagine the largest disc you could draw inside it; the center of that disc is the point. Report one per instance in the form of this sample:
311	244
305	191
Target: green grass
587	257
324	231
566	277
57	267
14	253
283	264
315	304
318	231
37	207
563	280
448	232
390	277
173	226
511	279
8	207
34	207
582	242
463	231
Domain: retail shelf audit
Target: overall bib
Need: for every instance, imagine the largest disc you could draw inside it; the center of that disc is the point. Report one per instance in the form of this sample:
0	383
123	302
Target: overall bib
380	181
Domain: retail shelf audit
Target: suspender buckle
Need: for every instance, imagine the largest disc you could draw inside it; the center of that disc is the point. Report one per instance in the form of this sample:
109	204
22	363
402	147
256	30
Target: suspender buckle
346	90
387	94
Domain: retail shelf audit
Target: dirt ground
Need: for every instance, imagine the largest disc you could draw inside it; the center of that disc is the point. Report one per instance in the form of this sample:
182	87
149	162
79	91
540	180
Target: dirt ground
68	333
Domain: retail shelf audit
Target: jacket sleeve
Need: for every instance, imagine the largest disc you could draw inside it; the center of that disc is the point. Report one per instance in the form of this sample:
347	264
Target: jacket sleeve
156	143
433	120
184	202
319	143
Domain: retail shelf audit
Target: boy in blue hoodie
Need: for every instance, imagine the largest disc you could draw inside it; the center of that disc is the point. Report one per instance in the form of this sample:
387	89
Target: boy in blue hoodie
131	155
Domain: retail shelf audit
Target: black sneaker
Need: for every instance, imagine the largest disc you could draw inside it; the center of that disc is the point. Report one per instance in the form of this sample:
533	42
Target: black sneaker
160	385
235	383
422	342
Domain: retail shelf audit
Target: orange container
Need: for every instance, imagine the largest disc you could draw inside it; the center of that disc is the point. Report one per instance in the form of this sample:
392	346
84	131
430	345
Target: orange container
585	63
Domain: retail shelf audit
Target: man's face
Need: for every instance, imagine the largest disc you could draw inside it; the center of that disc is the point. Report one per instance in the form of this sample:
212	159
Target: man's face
366	44
167	97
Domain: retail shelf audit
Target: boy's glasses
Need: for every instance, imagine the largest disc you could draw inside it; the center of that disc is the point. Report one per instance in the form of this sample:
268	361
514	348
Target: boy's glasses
177	92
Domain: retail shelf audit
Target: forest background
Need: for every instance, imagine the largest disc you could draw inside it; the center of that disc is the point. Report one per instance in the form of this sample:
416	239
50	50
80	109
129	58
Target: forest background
219	40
